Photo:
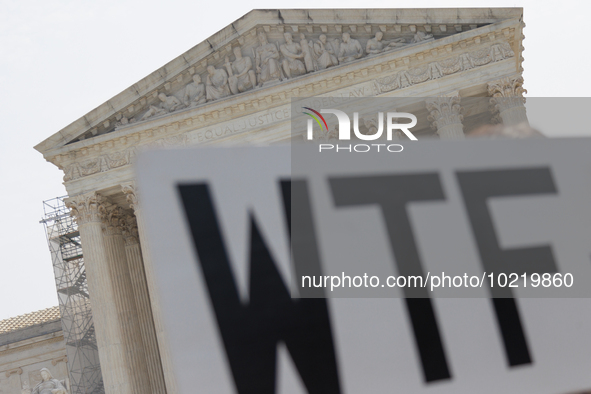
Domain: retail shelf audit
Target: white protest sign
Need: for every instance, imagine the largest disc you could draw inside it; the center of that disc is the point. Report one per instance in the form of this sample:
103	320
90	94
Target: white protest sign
219	225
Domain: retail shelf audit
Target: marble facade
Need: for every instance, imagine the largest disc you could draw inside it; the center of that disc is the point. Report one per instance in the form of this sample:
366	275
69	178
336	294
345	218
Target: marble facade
235	88
29	344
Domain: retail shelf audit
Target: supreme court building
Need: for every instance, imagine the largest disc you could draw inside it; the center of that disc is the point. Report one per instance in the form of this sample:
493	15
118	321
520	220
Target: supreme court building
236	88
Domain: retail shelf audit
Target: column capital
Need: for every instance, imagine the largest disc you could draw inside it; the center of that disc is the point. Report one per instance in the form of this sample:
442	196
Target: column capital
506	93
507	101
17	371
444	111
131	194
507	87
130	230
87	208
56	361
113	219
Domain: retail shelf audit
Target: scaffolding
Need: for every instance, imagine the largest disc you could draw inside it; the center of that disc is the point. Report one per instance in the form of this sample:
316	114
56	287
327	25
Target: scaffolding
63	238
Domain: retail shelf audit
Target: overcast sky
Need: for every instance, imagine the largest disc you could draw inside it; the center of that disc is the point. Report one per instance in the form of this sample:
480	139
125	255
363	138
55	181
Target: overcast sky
60	59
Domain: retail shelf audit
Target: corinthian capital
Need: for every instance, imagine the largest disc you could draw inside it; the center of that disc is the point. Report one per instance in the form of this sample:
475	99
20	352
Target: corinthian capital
131	194
88	207
114	220
56	361
17	371
506	93
507	87
444	111
130	230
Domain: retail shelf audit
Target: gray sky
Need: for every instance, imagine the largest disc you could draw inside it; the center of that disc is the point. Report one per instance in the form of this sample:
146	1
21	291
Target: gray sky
60	59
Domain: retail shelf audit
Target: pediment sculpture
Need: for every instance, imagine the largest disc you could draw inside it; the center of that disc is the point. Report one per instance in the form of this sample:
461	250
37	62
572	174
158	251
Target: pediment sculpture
350	49
167	105
241	73
292	53
194	93
216	85
270	63
267	61
378	45
325	52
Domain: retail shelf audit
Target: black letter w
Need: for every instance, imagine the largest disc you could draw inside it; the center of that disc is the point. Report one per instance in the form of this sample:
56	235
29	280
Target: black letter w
250	332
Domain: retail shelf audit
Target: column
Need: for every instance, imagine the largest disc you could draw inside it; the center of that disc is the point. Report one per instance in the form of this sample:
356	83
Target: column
130	191
61	372
127	312
87	209
14	380
445	115
142	300
507	100
116	369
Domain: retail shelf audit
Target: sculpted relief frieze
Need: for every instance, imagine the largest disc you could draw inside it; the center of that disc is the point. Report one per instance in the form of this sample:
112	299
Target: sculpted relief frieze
115	160
269	55
438	69
273	62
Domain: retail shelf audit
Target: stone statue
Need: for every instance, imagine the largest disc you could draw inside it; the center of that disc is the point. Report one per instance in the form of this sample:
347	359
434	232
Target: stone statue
292	52
307	52
241	75
350	49
194	92
377	45
327	135
216	86
371	124
267	61
325	52
49	385
420	36
168	104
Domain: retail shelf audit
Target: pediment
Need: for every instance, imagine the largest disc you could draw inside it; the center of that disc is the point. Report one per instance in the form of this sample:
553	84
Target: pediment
175	88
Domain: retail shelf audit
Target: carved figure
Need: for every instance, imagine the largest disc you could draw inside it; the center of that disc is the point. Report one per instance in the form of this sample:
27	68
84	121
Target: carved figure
327	135
49	385
421	36
267	61
241	75
194	92
292	52
307	52
216	86
168	104
325	52
350	49
371	124
377	45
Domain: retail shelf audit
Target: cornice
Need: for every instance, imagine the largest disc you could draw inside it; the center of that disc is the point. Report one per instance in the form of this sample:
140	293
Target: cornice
42	343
